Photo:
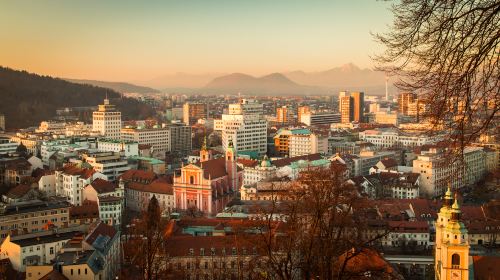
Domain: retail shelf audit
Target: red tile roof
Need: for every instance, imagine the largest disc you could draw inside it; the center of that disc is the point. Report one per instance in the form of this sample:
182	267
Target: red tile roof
157	186
486	267
18	191
138	175
248	162
389	162
89	209
103	186
366	260
72	169
214	168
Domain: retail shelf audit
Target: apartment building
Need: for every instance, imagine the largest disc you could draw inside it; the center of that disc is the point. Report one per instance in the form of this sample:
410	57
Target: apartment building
438	169
39	248
32	216
385	138
306	144
109	164
157	137
320	118
140	186
192	112
71	179
110	199
180	138
128	148
282	136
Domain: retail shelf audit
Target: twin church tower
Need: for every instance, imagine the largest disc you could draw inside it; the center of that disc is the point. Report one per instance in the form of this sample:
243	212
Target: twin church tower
452	242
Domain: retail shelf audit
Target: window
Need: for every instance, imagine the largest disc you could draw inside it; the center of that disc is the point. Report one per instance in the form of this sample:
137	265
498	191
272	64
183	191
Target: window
455	261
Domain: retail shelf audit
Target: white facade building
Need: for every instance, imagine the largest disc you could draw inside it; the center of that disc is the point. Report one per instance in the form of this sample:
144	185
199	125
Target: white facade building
107	120
320	118
158	138
306	144
110	200
385	138
437	169
129	148
47	184
262	171
71	180
246	126
6	146
35	248
110	164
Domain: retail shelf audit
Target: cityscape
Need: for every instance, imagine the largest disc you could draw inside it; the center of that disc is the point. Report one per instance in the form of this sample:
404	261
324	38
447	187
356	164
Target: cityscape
384	166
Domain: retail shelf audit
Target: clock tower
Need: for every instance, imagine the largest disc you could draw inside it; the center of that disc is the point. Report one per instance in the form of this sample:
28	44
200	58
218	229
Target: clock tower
452	242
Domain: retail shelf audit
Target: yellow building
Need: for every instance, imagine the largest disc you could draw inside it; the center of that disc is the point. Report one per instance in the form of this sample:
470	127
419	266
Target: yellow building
452	242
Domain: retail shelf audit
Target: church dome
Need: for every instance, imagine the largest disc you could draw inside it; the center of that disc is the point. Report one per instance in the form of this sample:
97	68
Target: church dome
265	162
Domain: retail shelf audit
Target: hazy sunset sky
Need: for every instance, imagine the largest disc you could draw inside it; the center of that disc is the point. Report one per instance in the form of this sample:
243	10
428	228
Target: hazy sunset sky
141	40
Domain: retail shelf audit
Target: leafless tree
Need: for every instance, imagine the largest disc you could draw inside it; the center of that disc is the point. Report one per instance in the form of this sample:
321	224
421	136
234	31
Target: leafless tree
322	232
448	53
145	244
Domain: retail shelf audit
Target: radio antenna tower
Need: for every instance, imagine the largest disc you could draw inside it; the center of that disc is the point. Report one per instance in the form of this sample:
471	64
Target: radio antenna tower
386	87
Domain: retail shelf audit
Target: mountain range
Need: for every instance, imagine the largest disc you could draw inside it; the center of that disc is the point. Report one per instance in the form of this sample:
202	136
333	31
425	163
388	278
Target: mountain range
274	84
345	77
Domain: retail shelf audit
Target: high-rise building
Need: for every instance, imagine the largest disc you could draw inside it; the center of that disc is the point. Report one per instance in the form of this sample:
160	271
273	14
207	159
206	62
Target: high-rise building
246	126
301	111
180	138
2	122
346	109
192	112
107	120
282	114
358	106
341	95
404	101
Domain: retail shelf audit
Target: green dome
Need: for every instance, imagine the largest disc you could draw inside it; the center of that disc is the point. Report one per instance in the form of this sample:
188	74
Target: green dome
265	162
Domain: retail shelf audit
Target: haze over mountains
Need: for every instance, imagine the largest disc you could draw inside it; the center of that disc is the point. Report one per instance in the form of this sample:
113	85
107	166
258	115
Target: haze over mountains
346	77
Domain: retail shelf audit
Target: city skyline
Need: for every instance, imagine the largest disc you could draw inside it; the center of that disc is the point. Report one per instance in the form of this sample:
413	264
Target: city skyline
136	42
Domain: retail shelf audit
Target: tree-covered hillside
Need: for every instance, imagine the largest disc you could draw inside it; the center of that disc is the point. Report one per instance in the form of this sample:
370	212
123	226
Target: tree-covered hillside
26	99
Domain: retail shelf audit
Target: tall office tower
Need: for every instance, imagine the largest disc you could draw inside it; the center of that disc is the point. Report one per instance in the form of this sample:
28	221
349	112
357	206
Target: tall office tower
107	120
405	99
282	114
359	106
180	138
246	126
2	122
193	112
341	95
301	111
346	109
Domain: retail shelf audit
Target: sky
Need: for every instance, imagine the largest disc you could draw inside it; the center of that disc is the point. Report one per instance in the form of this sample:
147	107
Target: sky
140	40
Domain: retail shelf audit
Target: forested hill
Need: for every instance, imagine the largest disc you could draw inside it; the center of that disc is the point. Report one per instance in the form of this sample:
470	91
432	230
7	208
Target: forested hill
26	98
